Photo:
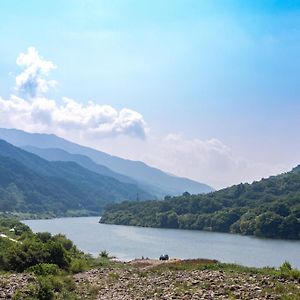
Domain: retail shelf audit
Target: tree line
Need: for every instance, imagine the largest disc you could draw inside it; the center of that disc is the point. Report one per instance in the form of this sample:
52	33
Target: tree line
267	208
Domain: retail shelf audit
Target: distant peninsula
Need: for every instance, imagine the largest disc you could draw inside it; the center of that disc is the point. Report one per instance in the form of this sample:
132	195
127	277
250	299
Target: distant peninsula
269	208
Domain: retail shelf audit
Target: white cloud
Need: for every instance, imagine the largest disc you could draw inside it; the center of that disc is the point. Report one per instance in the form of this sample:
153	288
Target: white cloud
209	161
31	82
45	115
67	117
205	160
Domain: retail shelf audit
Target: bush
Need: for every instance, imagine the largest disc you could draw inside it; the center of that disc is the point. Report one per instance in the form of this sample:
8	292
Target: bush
58	255
48	287
78	265
285	267
44	269
103	254
19	257
44	236
66	243
45	289
287	271
100	262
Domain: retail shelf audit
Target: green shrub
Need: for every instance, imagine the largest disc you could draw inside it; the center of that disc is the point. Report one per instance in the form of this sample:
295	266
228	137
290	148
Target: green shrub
103	254
66	243
101	262
58	254
285	267
45	289
49	286
287	271
44	269
78	265
19	257
44	236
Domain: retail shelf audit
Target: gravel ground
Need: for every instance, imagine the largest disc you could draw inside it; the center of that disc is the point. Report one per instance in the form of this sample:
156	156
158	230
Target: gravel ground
142	282
9	284
152	279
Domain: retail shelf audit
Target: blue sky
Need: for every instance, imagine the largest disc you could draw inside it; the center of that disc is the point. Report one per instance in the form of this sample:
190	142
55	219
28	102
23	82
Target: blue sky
198	70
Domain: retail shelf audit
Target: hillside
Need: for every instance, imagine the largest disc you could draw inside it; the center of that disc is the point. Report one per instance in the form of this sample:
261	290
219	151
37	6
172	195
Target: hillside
268	208
53	154
149	178
29	183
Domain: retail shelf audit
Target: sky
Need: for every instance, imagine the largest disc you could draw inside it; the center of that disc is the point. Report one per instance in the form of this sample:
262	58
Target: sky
208	90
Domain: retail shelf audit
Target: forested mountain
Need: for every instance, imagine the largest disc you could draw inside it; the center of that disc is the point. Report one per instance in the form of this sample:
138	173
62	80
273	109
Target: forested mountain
53	154
29	183
268	208
152	179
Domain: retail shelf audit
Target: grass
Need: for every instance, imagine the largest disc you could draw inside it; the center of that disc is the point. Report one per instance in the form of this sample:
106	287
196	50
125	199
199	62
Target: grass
113	276
204	264
86	290
49	287
286	291
53	285
106	262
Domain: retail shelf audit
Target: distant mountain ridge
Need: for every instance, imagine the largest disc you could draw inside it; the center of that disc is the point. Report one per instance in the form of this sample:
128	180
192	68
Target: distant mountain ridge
53	154
148	178
31	184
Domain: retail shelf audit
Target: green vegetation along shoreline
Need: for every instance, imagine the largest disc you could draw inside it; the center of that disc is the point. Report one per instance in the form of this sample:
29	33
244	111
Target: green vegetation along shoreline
49	215
45	267
269	208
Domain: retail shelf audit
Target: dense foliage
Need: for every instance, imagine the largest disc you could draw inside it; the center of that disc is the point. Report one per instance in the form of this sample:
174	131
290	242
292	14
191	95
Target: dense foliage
50	258
30	184
20	249
268	208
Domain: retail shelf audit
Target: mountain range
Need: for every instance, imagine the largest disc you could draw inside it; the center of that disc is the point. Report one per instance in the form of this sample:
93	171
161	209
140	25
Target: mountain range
31	184
149	179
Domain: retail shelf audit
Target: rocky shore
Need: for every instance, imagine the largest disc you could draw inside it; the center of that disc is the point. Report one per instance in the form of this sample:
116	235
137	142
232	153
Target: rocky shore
12	283
153	279
141	281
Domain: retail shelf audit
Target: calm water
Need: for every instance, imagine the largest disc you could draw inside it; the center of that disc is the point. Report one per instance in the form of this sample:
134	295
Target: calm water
126	242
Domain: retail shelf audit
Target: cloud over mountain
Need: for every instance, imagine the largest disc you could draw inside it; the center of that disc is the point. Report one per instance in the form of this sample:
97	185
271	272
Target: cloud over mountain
203	160
33	111
93	124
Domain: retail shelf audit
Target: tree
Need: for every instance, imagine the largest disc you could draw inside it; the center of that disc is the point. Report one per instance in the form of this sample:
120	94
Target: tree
267	224
290	227
173	220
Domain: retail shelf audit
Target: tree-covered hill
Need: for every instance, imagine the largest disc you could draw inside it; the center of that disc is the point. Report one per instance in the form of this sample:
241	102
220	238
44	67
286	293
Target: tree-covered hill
268	208
31	184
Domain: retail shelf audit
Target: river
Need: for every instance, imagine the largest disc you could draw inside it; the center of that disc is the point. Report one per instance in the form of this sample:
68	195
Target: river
127	242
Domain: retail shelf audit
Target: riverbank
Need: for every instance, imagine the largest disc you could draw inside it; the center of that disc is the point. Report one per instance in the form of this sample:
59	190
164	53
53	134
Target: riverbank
129	242
23	216
177	279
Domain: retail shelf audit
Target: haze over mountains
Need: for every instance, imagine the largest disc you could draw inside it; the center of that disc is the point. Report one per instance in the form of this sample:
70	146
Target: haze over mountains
152	180
55	154
31	184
